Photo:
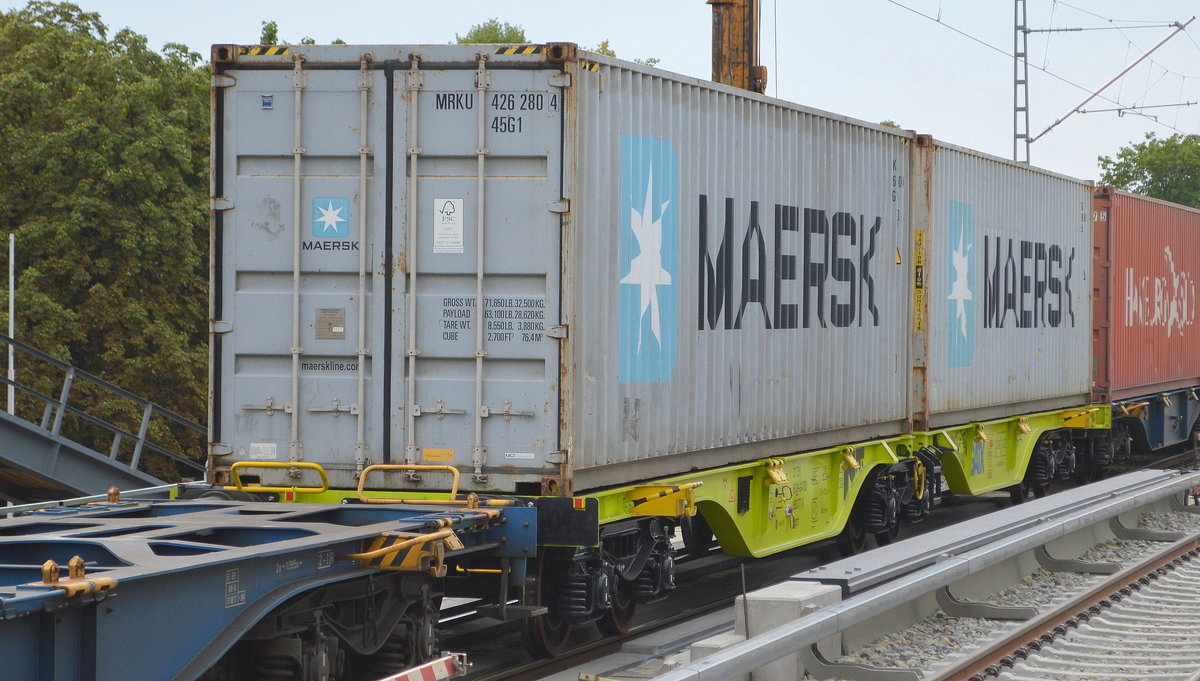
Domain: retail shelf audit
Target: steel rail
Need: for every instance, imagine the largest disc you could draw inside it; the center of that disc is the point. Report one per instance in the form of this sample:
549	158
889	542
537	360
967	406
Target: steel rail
1045	628
743	657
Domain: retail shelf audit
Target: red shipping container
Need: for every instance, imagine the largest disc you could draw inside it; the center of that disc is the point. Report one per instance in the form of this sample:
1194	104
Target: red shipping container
1147	261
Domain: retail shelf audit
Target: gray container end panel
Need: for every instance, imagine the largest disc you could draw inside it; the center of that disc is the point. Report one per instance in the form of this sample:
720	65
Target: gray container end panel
437	374
737	282
256	275
1010	281
440	379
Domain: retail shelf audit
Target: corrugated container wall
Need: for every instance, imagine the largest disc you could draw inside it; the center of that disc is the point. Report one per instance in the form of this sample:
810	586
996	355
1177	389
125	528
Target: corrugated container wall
1151	250
732	275
1009	310
549	270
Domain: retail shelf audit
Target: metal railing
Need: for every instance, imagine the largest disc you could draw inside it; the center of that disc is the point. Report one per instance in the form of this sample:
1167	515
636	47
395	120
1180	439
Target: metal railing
55	410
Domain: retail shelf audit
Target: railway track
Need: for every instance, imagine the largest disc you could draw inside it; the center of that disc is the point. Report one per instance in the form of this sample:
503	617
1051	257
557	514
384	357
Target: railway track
707	583
1141	623
956	603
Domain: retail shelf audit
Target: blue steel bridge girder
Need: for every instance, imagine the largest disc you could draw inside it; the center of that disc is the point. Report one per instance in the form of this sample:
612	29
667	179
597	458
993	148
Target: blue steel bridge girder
193	576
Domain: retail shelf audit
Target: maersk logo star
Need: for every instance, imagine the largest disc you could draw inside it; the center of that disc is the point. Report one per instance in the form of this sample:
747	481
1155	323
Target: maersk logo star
646	270
330	218
649	259
960	288
960	298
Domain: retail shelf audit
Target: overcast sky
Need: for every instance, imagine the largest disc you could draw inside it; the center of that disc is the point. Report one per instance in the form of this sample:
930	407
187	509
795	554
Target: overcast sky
870	59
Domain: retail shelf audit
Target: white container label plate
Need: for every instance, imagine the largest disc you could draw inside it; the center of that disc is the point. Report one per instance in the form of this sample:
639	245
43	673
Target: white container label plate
262	451
447	226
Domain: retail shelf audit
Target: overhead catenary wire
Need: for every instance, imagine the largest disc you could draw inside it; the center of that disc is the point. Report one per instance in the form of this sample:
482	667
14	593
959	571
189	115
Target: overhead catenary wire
1129	108
1035	66
1098	16
1178	29
1131	44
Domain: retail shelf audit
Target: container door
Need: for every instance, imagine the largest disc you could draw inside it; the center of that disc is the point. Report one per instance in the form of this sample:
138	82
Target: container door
297	255
474	358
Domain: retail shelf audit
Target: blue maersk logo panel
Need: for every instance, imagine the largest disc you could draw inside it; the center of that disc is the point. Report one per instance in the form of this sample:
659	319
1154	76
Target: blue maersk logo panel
960	298
649	259
330	217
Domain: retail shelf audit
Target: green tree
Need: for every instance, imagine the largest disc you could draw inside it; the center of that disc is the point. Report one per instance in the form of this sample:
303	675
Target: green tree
270	36
492	31
1167	169
270	33
104	181
604	49
607	51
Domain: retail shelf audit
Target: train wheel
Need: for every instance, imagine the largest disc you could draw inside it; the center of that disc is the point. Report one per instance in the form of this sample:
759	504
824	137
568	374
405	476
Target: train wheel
619	618
853	538
885	538
546	635
697	535
1018	492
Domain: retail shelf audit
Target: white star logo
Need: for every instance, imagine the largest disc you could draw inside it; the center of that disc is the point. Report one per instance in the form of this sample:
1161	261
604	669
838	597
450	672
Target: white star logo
331	217
646	269
960	290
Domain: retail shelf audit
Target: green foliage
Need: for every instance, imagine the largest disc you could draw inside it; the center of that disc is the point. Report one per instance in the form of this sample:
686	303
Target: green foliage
607	51
1167	169
890	124
270	36
492	31
604	49
104	181
270	33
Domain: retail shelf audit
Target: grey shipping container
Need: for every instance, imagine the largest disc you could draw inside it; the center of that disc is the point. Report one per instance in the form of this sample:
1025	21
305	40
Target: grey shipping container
551	270
1009	289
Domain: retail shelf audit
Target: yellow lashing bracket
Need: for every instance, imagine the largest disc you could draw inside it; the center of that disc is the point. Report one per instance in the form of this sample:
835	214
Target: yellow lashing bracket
237	480
775	474
663	500
416	553
1080	418
77	583
384	467
981	434
850	461
1133	409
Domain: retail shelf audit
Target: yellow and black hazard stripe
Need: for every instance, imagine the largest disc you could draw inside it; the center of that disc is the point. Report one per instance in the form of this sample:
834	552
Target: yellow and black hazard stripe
588	65
262	50
522	49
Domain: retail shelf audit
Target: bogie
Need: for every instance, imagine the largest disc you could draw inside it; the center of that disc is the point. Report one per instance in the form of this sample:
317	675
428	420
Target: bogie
634	564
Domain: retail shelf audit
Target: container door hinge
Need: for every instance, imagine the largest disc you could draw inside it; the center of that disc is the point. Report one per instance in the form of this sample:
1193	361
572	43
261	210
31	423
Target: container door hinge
337	408
560	206
559	331
269	406
219	326
219	449
221	203
560	80
558	456
507	411
223	80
